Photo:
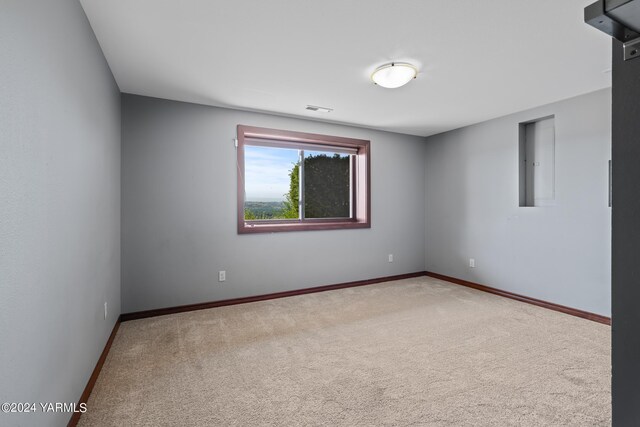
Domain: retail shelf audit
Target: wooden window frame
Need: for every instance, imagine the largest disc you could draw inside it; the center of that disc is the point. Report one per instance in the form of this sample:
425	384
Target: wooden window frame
361	177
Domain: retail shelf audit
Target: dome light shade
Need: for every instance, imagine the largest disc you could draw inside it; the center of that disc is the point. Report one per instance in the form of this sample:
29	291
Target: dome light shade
394	74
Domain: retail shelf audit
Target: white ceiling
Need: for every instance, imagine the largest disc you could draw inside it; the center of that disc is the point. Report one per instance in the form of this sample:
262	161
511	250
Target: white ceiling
478	59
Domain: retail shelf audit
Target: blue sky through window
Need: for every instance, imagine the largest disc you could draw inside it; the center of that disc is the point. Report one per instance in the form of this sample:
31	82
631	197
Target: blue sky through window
267	172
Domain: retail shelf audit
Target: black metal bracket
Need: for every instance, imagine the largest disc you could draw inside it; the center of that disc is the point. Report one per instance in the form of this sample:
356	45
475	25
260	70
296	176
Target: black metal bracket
620	19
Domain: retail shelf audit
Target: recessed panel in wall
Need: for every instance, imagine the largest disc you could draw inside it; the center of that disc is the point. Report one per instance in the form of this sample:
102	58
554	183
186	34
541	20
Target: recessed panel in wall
537	162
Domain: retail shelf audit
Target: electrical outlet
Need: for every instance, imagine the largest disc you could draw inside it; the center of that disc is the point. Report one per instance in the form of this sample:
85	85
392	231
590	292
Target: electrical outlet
222	276
390	257
472	263
105	311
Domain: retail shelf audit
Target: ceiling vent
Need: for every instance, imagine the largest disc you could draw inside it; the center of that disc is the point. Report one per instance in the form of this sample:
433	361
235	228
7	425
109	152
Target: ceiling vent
319	109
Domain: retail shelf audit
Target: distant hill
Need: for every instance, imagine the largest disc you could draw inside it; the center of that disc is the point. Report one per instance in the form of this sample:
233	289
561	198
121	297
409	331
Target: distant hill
263	210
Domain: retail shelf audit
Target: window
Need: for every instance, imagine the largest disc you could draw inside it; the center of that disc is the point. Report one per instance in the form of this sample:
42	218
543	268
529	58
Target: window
290	181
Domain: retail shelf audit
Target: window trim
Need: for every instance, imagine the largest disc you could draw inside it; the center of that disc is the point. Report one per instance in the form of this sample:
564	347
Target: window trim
361	177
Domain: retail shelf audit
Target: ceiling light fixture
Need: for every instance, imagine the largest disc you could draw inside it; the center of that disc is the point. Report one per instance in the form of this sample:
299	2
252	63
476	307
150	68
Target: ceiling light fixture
394	74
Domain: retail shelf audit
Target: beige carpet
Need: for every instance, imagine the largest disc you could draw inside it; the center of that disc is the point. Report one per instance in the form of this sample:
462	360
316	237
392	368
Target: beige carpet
411	352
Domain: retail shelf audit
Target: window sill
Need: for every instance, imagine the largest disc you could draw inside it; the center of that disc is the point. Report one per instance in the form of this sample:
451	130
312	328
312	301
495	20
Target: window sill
250	227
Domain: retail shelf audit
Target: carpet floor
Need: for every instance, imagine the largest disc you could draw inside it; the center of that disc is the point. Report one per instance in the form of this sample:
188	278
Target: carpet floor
410	352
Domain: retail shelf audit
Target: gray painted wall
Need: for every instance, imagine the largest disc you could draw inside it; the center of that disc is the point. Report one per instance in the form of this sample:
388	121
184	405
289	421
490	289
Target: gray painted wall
59	203
179	211
558	253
